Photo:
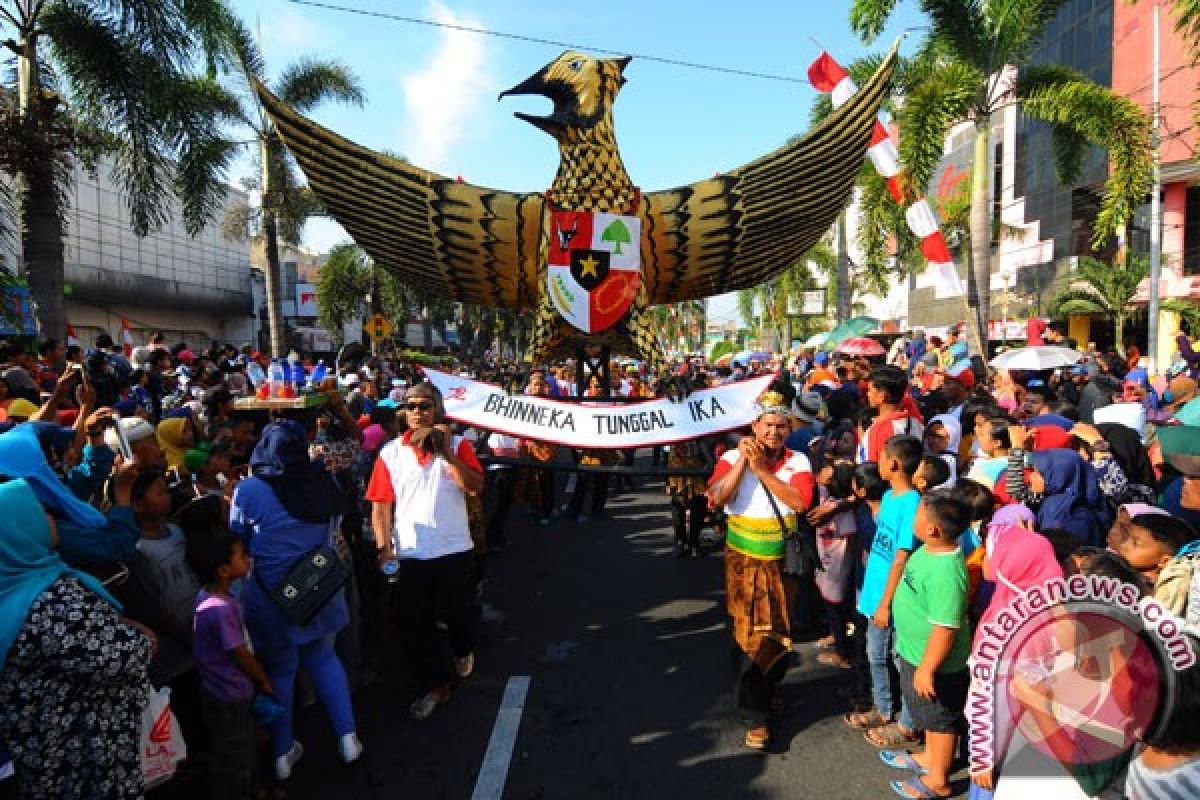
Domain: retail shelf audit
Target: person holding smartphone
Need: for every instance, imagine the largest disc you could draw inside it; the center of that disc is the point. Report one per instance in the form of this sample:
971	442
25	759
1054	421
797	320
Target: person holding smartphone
428	473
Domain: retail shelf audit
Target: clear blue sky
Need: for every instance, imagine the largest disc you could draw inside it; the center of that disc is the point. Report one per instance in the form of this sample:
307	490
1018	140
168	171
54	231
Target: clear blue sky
431	93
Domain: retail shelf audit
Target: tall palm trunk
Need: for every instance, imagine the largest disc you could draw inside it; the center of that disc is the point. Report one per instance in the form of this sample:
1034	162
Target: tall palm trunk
274	276
274	273
41	225
981	238
843	272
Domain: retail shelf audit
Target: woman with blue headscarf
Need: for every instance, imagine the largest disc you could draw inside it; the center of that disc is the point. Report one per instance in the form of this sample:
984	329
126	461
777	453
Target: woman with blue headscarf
1065	493
73	682
286	510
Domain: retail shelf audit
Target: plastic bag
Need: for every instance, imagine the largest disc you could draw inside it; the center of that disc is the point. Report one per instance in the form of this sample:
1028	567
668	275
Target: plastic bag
161	741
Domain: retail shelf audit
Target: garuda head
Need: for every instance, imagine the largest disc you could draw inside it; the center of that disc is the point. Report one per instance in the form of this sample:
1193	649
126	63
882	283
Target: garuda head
582	89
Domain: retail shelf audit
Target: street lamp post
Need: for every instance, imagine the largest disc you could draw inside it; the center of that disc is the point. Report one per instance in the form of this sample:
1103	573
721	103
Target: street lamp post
1006	275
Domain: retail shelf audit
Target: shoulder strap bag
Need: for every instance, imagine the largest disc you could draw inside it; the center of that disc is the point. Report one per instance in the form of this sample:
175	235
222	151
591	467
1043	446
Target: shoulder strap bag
311	582
800	556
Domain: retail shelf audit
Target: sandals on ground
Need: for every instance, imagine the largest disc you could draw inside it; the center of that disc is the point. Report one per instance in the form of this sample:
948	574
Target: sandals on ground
831	659
865	720
891	735
901	759
915	788
757	738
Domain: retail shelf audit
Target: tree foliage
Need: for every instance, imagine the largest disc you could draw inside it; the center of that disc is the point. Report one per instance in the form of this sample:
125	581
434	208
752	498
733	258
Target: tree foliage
118	79
1100	287
961	77
286	201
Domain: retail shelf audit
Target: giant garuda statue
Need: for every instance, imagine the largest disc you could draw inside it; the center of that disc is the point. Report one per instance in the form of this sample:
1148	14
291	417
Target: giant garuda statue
594	252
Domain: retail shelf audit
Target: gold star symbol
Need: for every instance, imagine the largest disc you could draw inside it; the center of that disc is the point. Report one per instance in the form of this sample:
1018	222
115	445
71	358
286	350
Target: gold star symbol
587	266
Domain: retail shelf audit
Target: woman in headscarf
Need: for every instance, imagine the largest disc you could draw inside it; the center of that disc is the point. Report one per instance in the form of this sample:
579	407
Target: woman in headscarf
1018	559
1007	392
1064	493
1122	465
175	435
287	509
73	682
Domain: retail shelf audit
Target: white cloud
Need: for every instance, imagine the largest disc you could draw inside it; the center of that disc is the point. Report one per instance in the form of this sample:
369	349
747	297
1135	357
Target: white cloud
443	97
286	32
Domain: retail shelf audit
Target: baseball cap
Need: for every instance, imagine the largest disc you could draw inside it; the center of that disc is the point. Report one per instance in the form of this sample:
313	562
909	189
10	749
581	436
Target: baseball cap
963	374
821	358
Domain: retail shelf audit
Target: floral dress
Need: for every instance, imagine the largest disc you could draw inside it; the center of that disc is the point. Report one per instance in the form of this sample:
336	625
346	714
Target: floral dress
71	697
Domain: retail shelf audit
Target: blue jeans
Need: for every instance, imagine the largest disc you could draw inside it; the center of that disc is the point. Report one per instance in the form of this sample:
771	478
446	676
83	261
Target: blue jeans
879	659
885	689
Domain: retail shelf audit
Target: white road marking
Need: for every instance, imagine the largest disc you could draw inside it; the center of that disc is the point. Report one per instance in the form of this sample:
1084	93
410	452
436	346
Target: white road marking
494	772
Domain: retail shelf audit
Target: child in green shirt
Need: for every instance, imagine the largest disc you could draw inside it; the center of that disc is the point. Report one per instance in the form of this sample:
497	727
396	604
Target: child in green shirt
929	610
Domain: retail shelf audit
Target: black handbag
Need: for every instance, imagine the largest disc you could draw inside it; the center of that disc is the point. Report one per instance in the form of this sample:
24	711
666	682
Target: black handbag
800	556
310	583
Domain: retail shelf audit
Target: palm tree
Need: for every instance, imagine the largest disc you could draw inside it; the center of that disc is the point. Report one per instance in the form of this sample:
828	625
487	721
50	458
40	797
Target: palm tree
93	78
678	322
1099	287
971	43
286	202
346	277
1188	311
767	304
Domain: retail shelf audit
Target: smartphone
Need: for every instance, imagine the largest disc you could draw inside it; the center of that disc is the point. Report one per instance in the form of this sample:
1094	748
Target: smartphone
82	372
123	447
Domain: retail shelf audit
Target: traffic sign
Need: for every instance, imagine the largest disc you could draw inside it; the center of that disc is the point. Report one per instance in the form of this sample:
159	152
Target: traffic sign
378	327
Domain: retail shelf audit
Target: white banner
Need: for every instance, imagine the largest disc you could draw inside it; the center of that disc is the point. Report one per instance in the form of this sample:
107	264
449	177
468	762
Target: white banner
599	425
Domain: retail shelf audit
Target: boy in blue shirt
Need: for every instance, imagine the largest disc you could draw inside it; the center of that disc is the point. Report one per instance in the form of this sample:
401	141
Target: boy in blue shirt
893	543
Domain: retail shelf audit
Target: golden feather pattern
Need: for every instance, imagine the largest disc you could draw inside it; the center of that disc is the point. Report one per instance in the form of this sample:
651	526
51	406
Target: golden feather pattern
488	247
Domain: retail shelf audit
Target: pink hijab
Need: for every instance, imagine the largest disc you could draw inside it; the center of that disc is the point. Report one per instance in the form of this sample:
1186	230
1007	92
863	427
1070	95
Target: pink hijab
1018	559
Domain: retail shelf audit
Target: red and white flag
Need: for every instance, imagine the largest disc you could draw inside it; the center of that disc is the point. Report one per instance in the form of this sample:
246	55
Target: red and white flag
828	76
126	338
72	339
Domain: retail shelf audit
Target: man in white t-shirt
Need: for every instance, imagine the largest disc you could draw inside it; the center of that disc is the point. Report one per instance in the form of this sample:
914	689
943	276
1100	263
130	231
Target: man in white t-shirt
427	474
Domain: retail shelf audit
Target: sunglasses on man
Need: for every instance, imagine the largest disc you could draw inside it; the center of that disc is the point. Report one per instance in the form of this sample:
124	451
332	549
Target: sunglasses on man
418	406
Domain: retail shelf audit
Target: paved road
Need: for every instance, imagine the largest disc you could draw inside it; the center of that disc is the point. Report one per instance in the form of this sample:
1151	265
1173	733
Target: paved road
630	687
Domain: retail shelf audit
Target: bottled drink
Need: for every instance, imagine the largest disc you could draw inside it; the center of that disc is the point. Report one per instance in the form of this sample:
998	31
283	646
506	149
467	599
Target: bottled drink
318	374
276	377
297	375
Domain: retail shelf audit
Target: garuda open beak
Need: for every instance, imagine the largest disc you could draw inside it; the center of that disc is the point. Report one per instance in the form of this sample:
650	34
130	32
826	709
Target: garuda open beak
565	104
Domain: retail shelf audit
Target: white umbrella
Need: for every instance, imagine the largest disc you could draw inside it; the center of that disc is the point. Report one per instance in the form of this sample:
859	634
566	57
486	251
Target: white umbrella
817	339
1036	358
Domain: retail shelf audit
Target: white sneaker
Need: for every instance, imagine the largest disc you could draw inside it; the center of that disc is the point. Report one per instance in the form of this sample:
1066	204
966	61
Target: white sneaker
350	748
463	667
424	705
284	764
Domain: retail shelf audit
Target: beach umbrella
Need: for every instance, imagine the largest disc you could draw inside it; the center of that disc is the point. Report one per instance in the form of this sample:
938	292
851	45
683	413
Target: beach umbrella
851	327
861	346
1036	358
